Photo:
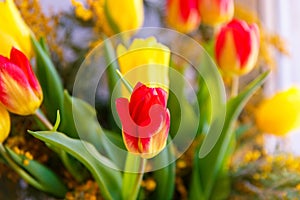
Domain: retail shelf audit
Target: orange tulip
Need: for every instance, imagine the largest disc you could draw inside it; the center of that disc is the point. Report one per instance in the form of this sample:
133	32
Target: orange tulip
183	15
237	47
214	12
20	91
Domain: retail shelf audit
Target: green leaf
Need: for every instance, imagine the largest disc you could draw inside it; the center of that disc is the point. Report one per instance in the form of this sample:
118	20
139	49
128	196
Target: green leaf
112	64
49	80
165	177
204	102
108	179
211	165
49	181
80	121
179	106
196	188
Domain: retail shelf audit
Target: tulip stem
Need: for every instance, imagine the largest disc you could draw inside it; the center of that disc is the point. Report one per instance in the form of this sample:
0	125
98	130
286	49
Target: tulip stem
40	115
234	86
133	176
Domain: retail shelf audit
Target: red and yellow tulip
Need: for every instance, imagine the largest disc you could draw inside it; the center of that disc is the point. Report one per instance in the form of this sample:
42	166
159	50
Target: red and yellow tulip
237	47
183	15
214	12
4	123
13	30
20	91
145	120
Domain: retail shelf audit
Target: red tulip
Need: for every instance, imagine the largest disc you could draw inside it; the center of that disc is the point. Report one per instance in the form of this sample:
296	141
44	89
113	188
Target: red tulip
237	47
145	120
20	91
183	15
214	12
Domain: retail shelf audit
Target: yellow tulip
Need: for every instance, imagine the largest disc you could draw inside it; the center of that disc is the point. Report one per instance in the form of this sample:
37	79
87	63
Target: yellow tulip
123	15
13	30
281	113
4	123
148	60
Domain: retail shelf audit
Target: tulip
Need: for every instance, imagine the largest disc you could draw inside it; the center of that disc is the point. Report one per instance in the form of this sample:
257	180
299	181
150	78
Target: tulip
20	91
123	15
145	61
145	120
214	12
4	123
280	114
13	30
183	15
237	47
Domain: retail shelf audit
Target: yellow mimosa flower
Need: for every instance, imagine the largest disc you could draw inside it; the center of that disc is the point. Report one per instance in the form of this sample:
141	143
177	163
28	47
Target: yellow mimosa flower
145	61
281	113
13	30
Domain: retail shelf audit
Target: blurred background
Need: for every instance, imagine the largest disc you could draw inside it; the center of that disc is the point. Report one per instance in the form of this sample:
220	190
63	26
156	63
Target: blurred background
278	17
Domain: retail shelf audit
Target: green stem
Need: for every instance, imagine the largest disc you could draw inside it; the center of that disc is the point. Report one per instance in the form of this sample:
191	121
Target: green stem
125	82
138	180
234	86
133	176
19	170
40	115
63	155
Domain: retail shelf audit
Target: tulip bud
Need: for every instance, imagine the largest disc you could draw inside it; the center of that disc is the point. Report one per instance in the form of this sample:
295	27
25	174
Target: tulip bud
4	123
152	58
237	47
214	12
13	30
123	15
145	120
20	91
280	114
183	15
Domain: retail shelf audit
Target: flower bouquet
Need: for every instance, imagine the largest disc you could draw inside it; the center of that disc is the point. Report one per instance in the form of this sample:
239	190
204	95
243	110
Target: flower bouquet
136	112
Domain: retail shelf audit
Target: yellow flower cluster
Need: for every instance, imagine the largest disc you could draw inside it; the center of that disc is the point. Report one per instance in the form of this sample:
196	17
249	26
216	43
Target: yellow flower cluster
252	156
81	12
282	162
28	156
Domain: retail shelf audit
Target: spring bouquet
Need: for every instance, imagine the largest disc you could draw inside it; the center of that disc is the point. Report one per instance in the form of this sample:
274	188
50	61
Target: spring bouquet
95	104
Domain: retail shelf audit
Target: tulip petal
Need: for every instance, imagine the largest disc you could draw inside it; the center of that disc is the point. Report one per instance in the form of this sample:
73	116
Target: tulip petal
157	116
145	120
20	60
4	123
237	47
15	91
12	24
